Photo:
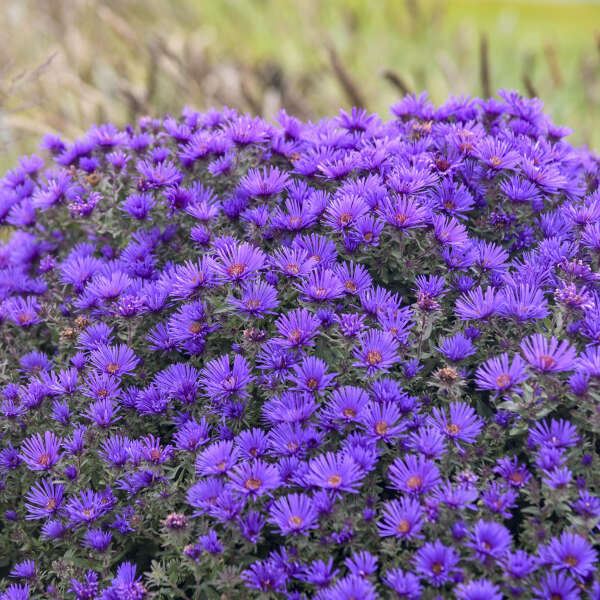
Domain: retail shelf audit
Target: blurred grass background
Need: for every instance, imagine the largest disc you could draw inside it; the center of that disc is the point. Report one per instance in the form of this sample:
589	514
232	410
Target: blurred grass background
66	64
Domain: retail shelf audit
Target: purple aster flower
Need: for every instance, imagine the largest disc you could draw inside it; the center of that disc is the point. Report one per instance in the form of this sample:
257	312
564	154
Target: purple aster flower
402	519
404	212
343	211
255	478
41	453
265	576
293	262
497	374
294	513
238	263
53	529
154	176
404	583
516	475
558	434
436	562
97	540
338	472
448	231
24	570
557	586
523	303
378	351
351	586
382	421
548	356
499	499
16	592
478	590
192	277
463	424
85	508
477	305
125	585
311	376
44	499
222	381
414	474
457	347
320	285
114	360
297	328
86	589
266	183
489	539
258	298
571	553
346	405
354	277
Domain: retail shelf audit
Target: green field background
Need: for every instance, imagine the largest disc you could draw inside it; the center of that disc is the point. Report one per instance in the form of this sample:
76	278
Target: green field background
70	63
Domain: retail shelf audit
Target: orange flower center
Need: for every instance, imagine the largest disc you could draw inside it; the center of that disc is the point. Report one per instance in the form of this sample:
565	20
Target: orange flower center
253	483
414	482
381	427
403	526
113	368
452	429
295	521
374	357
236	269
503	381
334	480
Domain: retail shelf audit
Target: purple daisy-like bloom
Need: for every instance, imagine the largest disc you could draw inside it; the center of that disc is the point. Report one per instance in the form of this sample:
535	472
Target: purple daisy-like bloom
346	404
404	583
378	351
338	472
516	475
343	212
255	478
16	592
382	421
457	347
114	360
497	374
414	474
293	514
269	182
258	298
24	570
548	356
449	232
85	508
41	453
311	376
557	586
571	553
478	590
559	434
475	305
97	540
404	213
489	540
44	499
238	263
222	381
321	285
351	586
297	328
402	519
436	562
463	424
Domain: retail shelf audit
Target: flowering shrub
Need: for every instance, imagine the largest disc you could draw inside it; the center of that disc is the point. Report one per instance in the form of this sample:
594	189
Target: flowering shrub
343	360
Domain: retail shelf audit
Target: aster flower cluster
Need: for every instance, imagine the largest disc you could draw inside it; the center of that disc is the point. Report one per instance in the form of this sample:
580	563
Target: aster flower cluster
351	359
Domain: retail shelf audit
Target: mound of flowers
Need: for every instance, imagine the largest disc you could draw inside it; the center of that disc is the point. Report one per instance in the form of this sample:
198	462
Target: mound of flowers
343	360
